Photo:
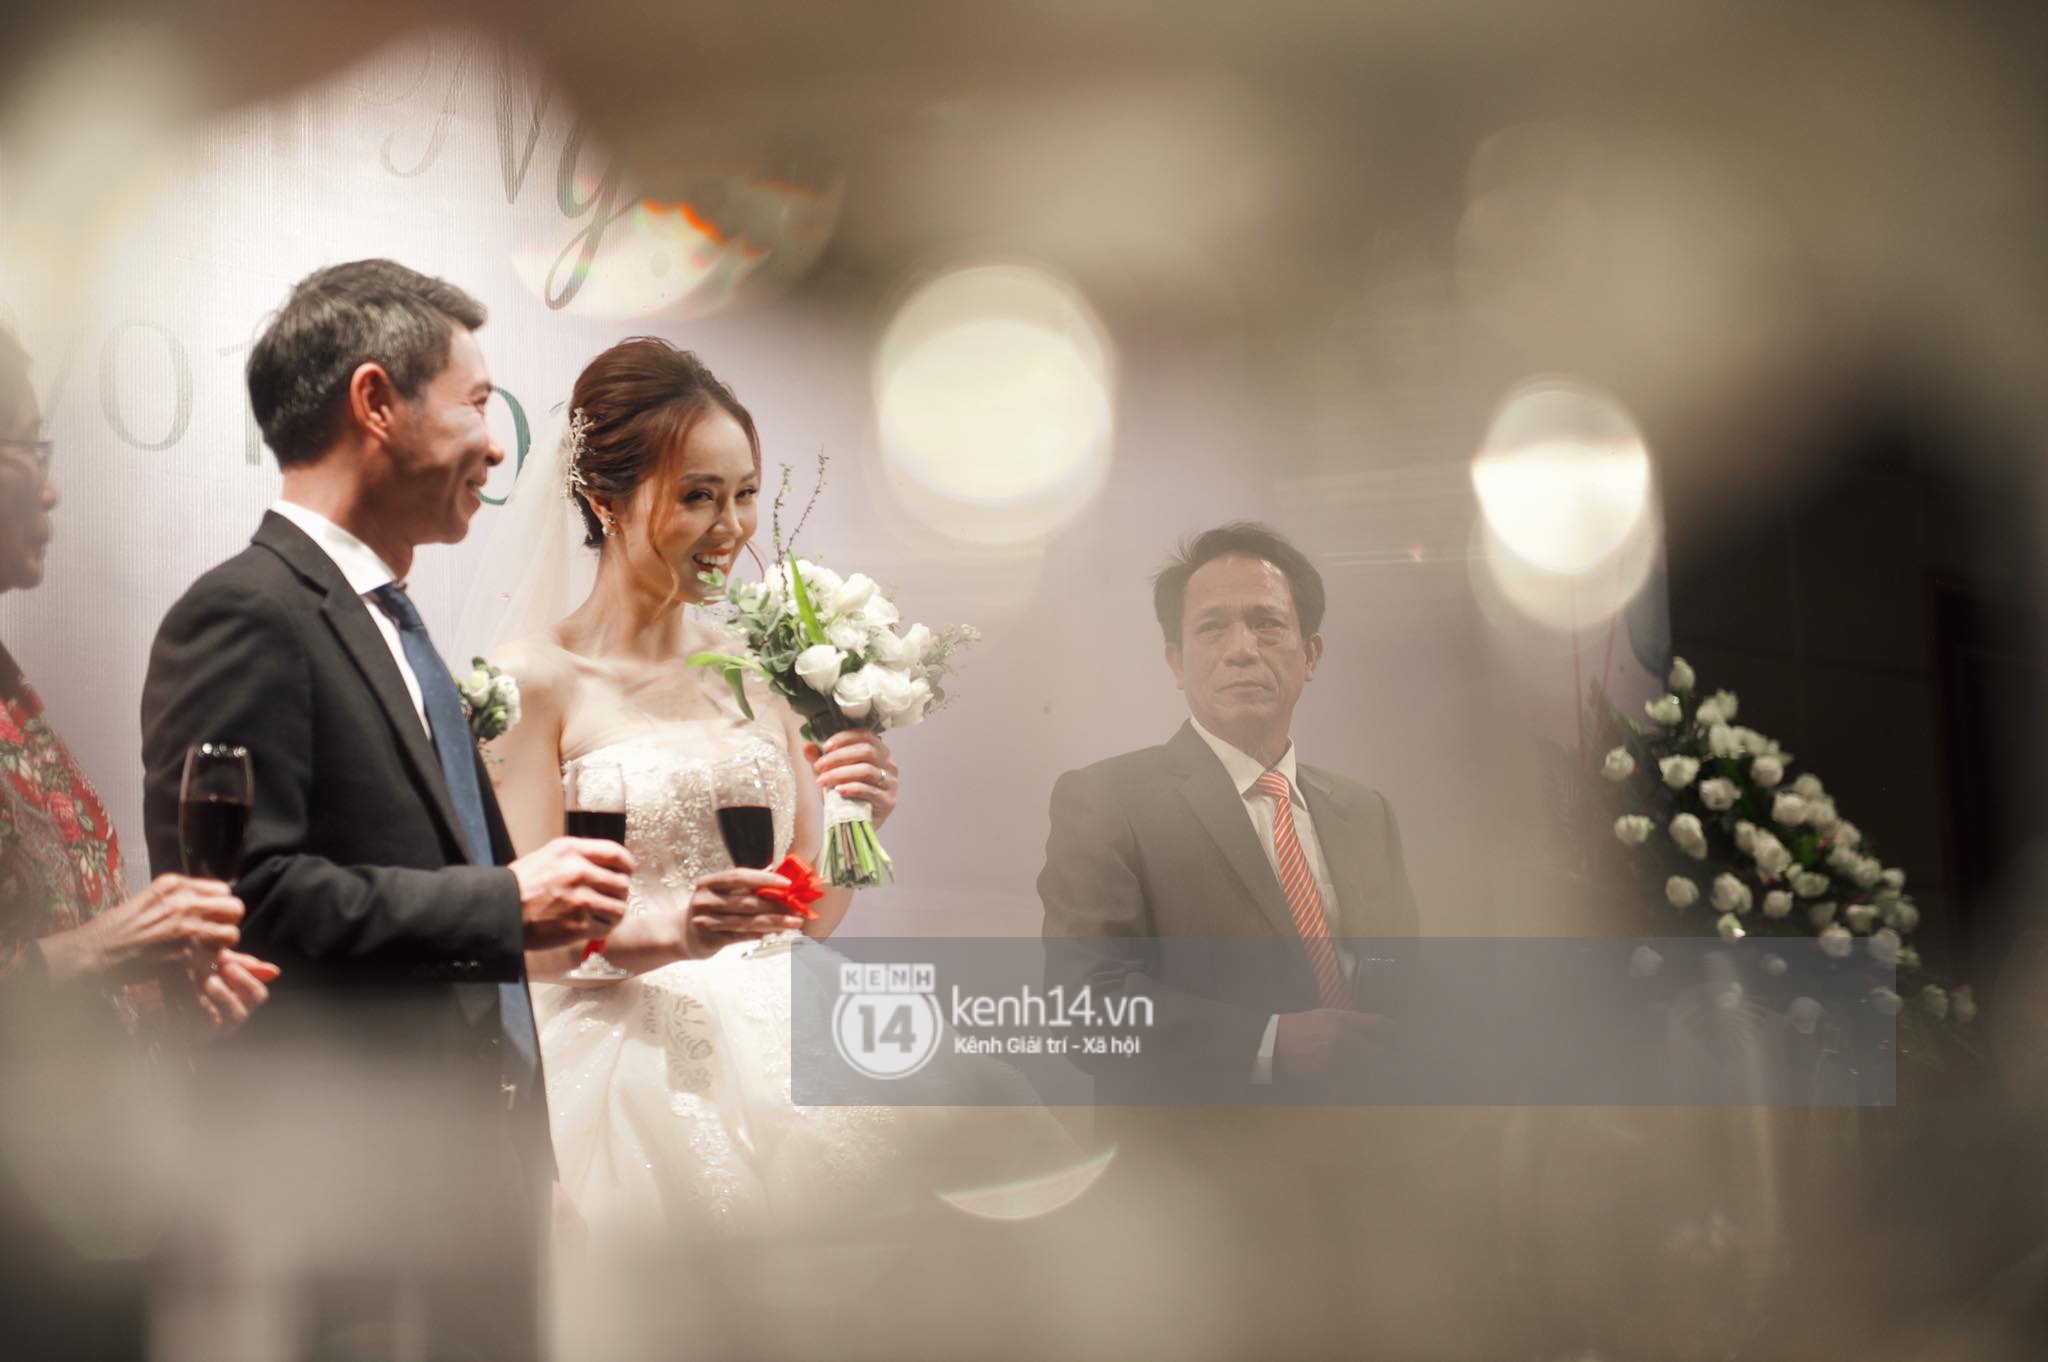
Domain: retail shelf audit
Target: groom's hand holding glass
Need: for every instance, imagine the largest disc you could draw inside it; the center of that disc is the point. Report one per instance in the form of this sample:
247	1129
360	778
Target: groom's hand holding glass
571	890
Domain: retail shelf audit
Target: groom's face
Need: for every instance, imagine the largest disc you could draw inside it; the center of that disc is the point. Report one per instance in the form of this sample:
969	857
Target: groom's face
442	448
1241	659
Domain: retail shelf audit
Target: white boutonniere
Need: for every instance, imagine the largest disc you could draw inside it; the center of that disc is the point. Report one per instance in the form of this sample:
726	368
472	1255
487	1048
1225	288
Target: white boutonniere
490	700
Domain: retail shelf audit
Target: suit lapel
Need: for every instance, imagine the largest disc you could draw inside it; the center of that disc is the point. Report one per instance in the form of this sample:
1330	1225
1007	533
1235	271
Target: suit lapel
1206	787
349	618
1343	849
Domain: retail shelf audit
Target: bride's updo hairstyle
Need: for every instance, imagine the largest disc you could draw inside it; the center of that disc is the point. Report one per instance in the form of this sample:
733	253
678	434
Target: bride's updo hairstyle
642	398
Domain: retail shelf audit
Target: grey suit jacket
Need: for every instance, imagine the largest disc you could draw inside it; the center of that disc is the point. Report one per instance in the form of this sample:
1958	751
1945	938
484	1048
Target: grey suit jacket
1155	883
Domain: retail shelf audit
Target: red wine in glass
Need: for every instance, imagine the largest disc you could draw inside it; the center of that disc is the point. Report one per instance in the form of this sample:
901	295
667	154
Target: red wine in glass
214	805
602	824
594	805
749	833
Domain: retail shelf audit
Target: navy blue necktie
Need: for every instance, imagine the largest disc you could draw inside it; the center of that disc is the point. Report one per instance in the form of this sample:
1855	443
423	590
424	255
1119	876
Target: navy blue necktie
457	750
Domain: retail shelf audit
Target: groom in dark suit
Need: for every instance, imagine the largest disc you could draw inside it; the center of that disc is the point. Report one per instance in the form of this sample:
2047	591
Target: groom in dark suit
1157	855
377	867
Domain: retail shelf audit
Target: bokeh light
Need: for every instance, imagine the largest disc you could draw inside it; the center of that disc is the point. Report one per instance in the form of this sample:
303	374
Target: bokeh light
1566	531
993	403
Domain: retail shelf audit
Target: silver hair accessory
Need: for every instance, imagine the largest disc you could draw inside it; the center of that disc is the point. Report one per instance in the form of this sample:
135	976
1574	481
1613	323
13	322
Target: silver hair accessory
573	480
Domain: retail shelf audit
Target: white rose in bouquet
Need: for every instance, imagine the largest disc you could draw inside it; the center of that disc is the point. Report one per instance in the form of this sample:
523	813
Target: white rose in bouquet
1963	1005
476	689
855	693
1808	786
1809	885
1722	741
1777	903
1643	963
1619	765
1681	679
1902	915
1885	1001
1909	958
1867	873
1803	1016
1745	836
1935	999
900	699
1894	879
848	633
1772	859
1859	916
1678	772
1729	926
1788	809
1665	709
1836	941
1821	914
1843	860
1690	836
1884	946
1719	794
1633	829
823	582
1766	771
1682	892
818	667
1731	895
1820	813
1847	834
881	614
853	595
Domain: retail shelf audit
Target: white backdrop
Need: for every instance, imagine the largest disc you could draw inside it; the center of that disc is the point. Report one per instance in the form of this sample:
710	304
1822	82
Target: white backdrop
445	157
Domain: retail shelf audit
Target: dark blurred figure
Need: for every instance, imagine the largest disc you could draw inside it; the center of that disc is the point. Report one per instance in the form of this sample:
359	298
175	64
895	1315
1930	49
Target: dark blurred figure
97	988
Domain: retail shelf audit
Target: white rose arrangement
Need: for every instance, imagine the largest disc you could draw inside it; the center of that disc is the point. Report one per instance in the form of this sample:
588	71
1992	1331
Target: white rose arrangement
1764	842
832	647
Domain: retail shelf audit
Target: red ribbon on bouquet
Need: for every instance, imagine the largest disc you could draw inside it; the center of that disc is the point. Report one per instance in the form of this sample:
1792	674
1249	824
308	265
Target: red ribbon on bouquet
804	887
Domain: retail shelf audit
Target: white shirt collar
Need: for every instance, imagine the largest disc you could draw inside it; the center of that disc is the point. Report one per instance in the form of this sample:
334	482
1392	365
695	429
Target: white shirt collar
362	565
1244	768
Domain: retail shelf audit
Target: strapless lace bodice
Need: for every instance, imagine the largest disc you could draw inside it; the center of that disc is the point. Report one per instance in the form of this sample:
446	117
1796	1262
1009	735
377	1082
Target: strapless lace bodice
670	1091
672	773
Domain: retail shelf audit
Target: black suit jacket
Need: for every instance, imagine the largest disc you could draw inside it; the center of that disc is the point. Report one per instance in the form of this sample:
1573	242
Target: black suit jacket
355	879
1155	883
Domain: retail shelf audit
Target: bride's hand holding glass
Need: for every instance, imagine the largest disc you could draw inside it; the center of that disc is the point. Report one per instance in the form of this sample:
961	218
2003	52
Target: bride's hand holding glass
859	765
726	908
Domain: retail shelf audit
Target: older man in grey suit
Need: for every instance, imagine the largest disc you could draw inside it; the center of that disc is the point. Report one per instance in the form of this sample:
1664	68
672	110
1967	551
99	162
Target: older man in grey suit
1221	832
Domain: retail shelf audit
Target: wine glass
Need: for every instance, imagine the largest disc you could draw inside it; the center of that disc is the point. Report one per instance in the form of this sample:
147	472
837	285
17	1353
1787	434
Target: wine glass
214	803
746	823
594	805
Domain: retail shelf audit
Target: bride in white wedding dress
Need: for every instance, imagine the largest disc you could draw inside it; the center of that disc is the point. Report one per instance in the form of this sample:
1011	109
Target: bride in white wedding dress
669	1090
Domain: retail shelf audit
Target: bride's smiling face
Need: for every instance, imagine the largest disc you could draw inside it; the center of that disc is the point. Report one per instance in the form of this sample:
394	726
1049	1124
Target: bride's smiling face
697	511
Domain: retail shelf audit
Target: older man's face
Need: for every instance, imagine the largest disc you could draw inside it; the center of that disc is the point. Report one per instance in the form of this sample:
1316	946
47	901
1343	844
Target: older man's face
1242	660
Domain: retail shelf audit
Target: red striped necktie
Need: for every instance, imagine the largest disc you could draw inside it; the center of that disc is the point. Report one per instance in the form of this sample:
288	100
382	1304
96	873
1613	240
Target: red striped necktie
1304	901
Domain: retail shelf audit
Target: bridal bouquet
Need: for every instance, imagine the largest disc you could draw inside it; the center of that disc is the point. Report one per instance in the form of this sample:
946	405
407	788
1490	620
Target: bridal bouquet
831	646
1763	851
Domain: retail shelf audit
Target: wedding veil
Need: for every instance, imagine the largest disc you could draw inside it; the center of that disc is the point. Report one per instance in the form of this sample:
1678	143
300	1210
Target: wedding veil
532	568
